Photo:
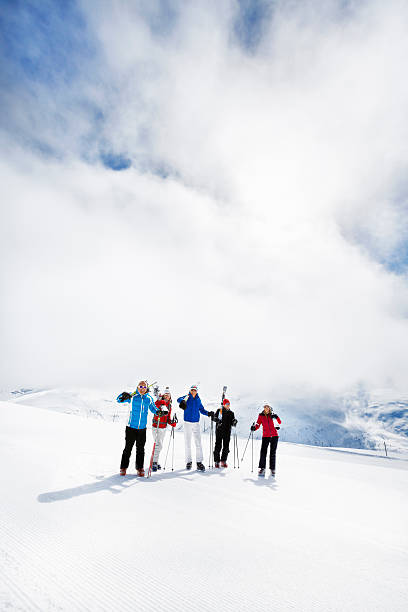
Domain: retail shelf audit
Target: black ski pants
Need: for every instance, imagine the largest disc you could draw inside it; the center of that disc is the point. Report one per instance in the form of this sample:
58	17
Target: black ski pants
222	439
272	453
134	435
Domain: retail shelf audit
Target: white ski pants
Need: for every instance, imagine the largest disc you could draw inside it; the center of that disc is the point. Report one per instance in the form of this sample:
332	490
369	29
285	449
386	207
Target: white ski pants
159	441
189	430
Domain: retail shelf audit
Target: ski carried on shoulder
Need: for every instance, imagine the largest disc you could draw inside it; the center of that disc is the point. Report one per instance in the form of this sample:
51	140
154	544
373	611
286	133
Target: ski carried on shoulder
211	457
125	396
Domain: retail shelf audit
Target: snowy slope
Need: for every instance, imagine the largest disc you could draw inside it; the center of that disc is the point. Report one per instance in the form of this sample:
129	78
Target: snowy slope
330	534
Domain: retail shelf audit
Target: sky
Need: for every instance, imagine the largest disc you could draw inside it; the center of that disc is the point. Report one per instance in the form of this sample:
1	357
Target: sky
204	191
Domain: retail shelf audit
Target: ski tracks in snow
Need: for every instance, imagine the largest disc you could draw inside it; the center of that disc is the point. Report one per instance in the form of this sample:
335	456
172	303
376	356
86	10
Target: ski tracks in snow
73	541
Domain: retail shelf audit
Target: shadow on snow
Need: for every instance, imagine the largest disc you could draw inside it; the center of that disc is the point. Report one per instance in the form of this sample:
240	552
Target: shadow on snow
116	484
263	481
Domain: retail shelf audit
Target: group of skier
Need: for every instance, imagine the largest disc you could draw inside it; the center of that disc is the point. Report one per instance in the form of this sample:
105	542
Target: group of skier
141	402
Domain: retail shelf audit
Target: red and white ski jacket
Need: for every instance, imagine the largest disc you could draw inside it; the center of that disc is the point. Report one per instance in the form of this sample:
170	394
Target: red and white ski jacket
267	423
166	418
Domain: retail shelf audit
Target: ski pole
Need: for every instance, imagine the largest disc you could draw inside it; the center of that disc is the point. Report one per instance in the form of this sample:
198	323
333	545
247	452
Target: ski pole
175	420
168	448
252	469
172	457
212	443
242	458
209	451
236	446
210	459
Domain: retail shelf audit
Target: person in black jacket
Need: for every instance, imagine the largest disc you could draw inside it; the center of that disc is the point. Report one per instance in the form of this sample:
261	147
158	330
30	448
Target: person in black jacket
225	419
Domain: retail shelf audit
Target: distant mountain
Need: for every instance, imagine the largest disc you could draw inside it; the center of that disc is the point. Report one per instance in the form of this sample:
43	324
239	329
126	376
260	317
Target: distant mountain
359	420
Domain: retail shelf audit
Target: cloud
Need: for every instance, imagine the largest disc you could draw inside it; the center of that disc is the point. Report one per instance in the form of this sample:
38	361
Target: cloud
253	236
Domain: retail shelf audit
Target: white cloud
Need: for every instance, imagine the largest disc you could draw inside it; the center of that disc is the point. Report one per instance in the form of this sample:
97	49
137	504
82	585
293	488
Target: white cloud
246	264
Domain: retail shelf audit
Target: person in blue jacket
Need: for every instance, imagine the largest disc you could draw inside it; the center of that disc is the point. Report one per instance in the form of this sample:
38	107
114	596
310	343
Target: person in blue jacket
192	406
141	403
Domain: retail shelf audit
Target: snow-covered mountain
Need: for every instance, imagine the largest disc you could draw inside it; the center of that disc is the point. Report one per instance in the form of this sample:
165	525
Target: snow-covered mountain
359	420
328	535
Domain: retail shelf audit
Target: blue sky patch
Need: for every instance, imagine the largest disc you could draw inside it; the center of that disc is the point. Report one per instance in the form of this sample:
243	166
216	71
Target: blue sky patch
43	41
248	26
115	161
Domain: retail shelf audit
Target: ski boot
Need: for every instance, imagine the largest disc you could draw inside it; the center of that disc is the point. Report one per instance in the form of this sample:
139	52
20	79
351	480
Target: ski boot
200	466
158	466
154	466
261	472
122	472
217	464
140	472
224	464
273	473
189	465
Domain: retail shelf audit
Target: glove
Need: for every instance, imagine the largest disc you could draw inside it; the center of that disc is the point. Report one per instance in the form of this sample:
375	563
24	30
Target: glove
277	427
234	422
183	404
159	413
210	414
124	396
253	428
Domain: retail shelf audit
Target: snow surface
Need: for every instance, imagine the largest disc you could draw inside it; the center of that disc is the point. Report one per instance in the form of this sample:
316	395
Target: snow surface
330	534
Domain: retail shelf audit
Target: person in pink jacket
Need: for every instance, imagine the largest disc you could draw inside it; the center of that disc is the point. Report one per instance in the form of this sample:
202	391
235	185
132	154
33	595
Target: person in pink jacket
270	438
159	425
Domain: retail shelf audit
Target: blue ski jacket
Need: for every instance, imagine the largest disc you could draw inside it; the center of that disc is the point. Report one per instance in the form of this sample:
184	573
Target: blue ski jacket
139	410
193	409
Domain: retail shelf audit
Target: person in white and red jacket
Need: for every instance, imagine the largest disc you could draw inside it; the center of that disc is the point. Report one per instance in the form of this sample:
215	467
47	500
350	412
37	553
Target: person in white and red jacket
270	438
159	425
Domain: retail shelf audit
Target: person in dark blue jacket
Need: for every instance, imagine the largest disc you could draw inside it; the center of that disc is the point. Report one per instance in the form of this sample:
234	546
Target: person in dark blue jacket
141	403
192	406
